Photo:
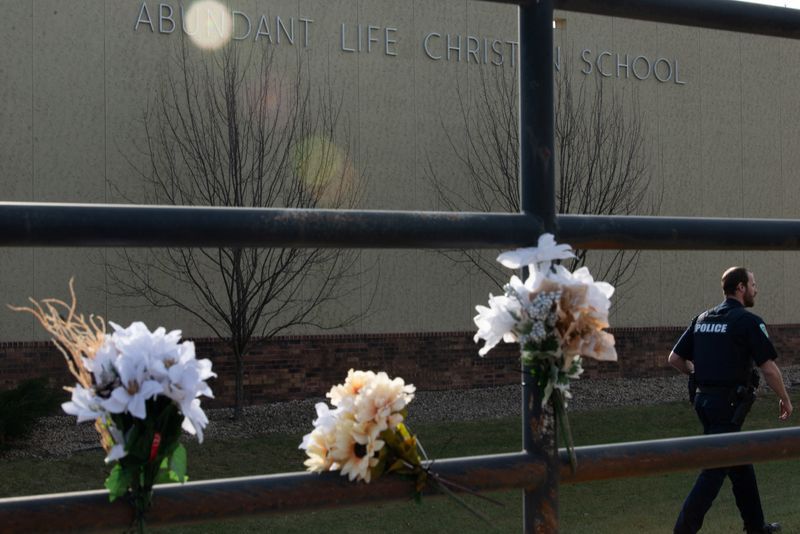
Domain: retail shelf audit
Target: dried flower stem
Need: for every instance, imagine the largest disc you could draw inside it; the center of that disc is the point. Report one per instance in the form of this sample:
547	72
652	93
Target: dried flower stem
74	336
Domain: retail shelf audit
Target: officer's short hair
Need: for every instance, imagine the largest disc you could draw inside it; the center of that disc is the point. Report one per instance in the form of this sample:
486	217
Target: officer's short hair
732	278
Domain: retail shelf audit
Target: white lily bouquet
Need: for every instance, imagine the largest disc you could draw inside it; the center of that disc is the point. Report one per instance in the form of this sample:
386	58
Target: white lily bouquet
139	387
556	316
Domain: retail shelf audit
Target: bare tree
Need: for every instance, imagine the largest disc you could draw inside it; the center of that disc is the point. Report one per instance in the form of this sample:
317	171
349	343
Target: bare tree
603	167
234	128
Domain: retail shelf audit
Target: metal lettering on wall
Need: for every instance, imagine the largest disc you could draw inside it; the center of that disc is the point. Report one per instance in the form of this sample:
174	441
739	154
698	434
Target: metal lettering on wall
372	38
610	64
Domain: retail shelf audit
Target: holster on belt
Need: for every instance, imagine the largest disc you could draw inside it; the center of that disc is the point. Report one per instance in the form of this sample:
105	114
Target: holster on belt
744	398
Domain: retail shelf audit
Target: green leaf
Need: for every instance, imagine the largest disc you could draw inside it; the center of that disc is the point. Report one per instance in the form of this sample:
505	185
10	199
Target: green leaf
177	463
396	466
118	482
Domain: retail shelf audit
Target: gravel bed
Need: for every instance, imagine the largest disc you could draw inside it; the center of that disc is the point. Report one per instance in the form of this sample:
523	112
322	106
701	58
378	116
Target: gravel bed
60	436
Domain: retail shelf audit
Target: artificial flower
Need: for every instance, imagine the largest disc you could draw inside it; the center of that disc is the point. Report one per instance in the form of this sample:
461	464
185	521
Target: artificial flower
136	387
355	450
140	388
84	404
496	323
382	401
318	444
369	408
544	252
364	436
117	449
345	394
556	316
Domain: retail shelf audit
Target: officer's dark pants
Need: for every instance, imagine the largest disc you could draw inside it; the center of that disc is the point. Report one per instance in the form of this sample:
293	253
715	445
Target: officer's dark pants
715	412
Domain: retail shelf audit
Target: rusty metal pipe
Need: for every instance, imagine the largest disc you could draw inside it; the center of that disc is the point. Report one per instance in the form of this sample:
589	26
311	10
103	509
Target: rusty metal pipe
645	458
228	498
105	225
676	233
538	198
742	17
35	224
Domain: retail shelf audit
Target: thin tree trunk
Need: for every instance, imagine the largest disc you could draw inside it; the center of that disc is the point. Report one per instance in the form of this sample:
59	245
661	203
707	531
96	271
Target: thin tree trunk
239	402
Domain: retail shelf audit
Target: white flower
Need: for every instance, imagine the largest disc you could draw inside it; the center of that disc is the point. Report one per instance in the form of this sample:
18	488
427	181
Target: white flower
117	451
194	419
136	386
496	322
544	252
326	418
151	363
186	380
84	404
531	285
599	293
167	353
102	365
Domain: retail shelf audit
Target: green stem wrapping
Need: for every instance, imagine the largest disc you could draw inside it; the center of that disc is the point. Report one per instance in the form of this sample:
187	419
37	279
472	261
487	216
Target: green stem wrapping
560	409
545	370
140	497
142	467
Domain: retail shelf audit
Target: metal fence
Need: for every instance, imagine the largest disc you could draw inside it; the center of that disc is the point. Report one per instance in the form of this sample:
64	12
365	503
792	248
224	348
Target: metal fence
535	470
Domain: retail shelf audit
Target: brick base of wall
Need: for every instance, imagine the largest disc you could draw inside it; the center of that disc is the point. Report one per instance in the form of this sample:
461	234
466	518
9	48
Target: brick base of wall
287	368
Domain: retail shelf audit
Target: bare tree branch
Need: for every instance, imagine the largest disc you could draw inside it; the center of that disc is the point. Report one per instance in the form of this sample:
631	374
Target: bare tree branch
603	165
235	128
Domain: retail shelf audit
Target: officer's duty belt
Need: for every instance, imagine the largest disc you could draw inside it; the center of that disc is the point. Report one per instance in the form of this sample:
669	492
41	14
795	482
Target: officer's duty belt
716	390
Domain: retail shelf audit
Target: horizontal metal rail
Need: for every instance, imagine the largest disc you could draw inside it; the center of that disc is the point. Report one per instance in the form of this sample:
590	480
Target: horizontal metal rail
742	17
286	493
107	225
645	458
678	233
227	498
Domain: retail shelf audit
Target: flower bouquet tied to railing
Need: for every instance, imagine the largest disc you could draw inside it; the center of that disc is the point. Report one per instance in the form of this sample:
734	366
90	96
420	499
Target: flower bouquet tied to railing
555	315
139	387
352	438
364	436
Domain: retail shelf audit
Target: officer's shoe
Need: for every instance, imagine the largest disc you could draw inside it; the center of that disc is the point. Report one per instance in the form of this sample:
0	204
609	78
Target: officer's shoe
768	528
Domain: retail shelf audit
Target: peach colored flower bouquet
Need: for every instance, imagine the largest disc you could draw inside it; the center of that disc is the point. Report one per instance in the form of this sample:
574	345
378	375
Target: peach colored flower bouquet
364	437
353	437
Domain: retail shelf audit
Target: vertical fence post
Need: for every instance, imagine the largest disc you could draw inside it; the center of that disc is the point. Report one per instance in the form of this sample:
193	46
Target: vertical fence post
537	196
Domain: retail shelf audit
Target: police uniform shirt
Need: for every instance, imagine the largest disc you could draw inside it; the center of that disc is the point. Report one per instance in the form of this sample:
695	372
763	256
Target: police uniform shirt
723	342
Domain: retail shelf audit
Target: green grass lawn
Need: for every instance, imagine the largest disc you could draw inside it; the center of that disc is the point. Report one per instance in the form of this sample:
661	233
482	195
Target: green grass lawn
619	506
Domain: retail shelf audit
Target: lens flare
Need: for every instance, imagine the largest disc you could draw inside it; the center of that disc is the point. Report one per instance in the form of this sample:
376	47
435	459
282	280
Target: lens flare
325	169
208	24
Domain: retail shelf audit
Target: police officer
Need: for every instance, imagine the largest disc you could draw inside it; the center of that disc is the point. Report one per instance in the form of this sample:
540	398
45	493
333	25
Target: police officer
721	347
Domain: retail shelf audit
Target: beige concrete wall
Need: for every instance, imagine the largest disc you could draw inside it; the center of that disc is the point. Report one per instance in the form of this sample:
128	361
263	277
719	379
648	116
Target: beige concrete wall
721	145
77	78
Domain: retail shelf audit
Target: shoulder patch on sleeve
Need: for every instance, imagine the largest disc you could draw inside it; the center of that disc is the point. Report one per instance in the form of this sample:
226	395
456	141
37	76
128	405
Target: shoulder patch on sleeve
763	328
